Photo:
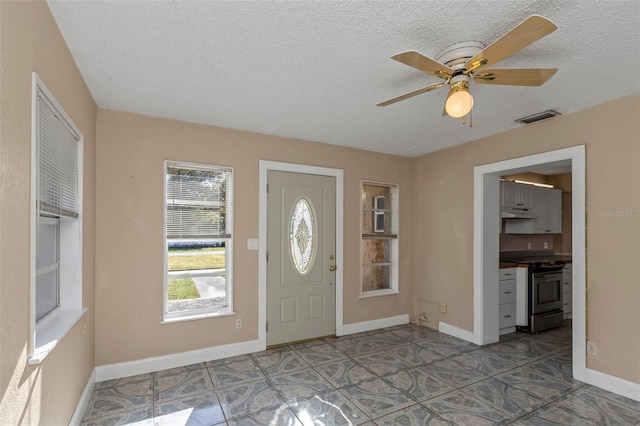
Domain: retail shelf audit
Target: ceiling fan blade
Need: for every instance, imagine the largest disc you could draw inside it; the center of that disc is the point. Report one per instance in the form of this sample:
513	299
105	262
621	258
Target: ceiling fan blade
528	31
424	64
515	77
411	94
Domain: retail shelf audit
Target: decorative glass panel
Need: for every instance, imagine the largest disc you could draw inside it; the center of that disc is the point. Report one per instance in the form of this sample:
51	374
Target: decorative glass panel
302	236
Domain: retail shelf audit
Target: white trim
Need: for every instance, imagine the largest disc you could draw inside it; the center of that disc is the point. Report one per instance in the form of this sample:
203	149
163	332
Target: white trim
460	333
44	336
84	400
360	327
264	167
486	227
157	363
613	384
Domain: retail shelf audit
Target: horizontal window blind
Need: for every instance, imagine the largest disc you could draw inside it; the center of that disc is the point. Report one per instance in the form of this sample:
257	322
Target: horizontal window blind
199	202
58	162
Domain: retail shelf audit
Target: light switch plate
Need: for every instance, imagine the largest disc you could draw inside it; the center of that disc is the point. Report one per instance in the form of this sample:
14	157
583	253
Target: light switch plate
252	244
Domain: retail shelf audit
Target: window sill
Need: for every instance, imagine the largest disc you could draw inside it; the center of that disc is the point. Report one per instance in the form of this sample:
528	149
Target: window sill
51	330
377	293
195	317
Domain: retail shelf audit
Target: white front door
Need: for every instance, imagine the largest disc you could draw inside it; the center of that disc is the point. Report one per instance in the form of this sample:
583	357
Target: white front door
301	241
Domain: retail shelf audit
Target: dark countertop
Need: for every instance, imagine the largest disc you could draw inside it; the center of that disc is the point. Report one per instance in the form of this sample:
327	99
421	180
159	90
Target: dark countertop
566	258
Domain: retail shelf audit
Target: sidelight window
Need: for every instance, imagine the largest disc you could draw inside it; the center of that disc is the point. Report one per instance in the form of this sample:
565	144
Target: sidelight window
379	239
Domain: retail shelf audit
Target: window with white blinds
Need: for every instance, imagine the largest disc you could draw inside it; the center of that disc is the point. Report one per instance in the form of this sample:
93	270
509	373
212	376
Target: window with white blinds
199	243
57	162
199	203
56	223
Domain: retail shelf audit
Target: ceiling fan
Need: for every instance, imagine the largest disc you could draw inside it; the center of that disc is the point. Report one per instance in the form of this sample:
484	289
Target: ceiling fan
462	62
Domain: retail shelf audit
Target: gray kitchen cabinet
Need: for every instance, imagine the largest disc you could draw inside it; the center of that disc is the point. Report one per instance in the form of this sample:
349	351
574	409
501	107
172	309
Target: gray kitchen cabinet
515	195
507	301
567	290
547	206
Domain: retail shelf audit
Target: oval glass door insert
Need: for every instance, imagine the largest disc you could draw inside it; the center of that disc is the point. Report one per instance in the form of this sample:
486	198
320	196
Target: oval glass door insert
302	236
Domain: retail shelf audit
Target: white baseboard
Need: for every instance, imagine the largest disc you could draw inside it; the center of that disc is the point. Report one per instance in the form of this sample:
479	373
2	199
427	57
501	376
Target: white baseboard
148	365
84	400
360	327
454	331
613	384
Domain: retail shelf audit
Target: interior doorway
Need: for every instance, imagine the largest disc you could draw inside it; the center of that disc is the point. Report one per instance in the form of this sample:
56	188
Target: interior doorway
486	245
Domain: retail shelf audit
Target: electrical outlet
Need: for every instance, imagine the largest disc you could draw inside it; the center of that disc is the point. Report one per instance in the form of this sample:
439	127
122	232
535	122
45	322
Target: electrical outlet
592	348
238	323
546	244
443	308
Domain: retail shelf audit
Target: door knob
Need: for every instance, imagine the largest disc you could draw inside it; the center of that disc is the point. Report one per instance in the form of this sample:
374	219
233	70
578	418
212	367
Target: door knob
332	268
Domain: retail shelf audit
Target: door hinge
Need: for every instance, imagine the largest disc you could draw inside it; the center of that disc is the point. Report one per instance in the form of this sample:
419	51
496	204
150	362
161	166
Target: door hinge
267	326
267	188
267	256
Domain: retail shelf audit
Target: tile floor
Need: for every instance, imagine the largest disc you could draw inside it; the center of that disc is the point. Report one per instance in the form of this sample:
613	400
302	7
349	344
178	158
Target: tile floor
404	375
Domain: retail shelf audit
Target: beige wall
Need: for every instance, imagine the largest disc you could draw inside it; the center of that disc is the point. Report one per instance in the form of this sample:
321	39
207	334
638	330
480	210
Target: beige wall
443	223
45	393
129	241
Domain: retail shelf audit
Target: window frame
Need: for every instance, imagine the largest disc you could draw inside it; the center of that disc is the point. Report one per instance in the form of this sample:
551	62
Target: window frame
45	333
392	209
197	314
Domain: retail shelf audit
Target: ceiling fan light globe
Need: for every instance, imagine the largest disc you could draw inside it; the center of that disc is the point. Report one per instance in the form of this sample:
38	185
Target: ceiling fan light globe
459	103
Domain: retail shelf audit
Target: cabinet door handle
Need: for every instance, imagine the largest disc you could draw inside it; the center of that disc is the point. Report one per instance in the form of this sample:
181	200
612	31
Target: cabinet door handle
507	316
507	275
566	304
507	292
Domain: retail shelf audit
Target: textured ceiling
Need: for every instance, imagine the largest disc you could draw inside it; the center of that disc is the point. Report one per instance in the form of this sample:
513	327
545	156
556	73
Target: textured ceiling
315	70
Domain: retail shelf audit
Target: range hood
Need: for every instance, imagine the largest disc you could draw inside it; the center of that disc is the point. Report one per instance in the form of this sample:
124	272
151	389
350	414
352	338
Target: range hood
516	213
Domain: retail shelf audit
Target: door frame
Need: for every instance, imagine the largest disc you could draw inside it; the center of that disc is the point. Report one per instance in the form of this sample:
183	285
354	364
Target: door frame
264	167
486	249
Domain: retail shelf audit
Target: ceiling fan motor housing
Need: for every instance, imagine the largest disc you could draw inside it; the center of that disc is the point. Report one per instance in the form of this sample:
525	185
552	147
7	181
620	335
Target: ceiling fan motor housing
455	55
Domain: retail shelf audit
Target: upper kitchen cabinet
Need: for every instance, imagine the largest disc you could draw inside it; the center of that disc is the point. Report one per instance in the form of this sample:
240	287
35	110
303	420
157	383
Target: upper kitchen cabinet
515	195
547	206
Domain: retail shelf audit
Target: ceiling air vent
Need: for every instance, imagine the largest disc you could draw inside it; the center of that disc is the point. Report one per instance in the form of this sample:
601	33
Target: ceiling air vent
537	117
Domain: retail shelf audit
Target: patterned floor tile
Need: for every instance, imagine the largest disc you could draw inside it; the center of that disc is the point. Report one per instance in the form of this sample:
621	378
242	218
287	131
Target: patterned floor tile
127	384
319	353
414	354
412	416
181	383
454	373
461	409
556	368
516	351
508	399
110	401
553	414
300	384
196	410
344	373
355	347
414	333
376	397
547	346
279	361
448	346
330	408
598	409
541	385
178	370
416	383
278	416
138	417
635	405
235	373
229	360
382	363
248	398
386	339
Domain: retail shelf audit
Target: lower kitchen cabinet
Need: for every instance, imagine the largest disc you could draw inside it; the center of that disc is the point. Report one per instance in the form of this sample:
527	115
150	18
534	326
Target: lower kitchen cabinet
507	301
567	292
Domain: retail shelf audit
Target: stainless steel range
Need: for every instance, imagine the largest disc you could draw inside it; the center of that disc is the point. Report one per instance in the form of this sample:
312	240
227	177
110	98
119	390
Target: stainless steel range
544	304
